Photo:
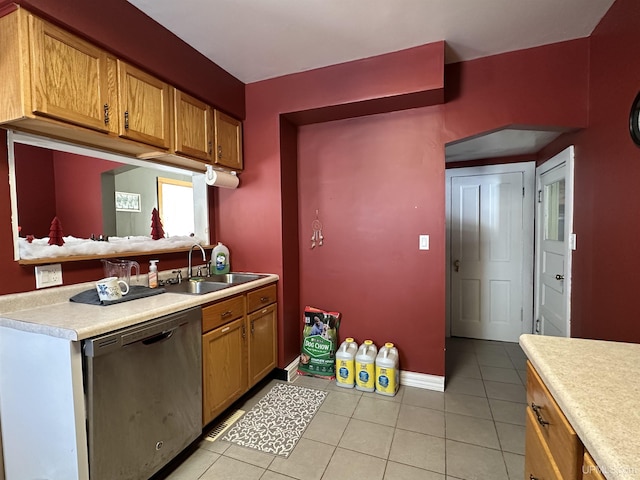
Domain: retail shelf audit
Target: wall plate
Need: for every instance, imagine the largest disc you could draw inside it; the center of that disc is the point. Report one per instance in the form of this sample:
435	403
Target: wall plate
48	275
424	242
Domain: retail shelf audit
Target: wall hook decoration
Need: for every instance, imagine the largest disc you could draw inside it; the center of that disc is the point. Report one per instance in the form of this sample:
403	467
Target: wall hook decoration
316	238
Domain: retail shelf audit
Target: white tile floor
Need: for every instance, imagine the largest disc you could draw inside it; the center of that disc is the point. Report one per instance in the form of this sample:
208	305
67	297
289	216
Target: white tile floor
475	430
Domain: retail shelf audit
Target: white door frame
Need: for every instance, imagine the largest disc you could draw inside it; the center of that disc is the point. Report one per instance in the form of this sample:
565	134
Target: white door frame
566	156
529	179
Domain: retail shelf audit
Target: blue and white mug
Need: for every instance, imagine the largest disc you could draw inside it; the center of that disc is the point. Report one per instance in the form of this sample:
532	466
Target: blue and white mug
110	289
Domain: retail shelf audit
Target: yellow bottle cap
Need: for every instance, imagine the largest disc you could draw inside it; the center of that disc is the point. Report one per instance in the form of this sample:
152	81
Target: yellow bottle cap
348	340
388	345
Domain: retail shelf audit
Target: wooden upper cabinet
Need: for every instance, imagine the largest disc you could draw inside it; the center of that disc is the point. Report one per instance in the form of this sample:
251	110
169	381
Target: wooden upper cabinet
228	141
49	72
52	82
145	107
193	126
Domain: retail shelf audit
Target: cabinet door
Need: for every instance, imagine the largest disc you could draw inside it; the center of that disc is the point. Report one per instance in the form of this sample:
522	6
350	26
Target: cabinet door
538	460
144	107
224	368
228	140
68	77
193	127
262	343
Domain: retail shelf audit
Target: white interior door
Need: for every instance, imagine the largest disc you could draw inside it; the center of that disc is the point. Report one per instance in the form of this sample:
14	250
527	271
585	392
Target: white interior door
491	252
555	241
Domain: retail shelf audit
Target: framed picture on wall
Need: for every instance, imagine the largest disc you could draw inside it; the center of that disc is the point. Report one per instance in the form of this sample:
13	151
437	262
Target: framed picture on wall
127	202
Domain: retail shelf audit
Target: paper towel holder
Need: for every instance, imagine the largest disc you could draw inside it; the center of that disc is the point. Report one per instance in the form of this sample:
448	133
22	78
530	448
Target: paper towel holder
221	178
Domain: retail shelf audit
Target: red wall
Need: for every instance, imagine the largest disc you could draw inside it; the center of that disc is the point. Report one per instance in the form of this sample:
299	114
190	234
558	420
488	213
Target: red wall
379	181
79	203
377	184
544	86
35	189
606	271
48	185
259	221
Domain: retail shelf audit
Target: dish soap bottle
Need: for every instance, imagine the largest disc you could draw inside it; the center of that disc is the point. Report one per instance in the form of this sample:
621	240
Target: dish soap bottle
220	259
153	274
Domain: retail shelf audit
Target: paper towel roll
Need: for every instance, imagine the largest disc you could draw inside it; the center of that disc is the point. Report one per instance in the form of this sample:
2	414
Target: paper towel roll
216	178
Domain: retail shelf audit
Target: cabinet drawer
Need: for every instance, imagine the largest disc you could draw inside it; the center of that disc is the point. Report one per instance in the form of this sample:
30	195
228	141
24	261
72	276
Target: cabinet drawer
261	298
561	439
222	312
590	470
538	462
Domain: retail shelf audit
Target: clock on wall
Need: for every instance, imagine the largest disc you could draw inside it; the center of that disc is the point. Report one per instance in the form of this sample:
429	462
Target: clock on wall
634	120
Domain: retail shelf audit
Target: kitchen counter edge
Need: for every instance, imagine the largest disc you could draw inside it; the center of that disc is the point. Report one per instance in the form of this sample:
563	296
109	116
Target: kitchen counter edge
594	382
49	312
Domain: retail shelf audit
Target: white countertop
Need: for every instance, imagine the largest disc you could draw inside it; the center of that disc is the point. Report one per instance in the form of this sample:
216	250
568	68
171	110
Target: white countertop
597	385
49	311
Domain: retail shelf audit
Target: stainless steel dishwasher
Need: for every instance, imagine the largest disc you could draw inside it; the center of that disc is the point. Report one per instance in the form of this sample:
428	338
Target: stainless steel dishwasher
144	395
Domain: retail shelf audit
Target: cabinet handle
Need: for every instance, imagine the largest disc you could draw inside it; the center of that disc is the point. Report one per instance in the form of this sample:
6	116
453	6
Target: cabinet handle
536	410
126	119
210	146
264	299
219	152
226	314
252	327
106	114
244	331
531	477
225	329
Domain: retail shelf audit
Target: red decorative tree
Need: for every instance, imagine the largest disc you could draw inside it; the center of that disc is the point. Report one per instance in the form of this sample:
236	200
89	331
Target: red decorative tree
157	231
55	233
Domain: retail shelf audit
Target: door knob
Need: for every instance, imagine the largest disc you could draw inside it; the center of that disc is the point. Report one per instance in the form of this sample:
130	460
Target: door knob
559	277
456	265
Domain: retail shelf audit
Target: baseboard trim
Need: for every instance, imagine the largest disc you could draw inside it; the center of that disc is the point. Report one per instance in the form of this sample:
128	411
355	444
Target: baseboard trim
422	380
292	369
410	379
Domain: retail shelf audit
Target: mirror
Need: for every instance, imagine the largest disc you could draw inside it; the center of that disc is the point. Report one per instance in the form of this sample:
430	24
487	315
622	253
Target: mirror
102	196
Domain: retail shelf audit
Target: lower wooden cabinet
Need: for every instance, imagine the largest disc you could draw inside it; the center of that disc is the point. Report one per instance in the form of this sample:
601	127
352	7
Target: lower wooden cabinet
553	450
262	343
224	372
238	349
538	460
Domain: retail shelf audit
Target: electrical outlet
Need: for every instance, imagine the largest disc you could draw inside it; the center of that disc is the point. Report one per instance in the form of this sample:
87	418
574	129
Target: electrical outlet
48	275
424	242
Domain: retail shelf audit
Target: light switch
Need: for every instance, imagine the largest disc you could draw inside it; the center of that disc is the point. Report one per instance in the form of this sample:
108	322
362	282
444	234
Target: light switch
424	242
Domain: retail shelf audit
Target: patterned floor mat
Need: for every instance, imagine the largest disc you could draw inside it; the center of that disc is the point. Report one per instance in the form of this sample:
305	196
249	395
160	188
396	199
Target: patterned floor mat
278	420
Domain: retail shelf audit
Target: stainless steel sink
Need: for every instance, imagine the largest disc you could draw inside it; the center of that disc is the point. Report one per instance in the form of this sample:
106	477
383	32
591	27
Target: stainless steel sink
213	283
234	278
196	288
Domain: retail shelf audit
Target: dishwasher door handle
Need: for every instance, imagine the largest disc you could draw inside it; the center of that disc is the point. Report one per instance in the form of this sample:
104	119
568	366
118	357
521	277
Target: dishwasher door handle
159	337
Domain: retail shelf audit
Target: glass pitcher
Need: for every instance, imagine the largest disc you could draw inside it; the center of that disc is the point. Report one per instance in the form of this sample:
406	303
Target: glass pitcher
121	269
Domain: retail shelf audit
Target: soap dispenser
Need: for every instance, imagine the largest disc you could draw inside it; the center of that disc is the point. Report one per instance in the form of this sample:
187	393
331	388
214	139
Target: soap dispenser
153	274
220	257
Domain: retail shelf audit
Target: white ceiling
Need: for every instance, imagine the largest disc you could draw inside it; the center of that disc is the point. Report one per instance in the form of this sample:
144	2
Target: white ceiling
259	39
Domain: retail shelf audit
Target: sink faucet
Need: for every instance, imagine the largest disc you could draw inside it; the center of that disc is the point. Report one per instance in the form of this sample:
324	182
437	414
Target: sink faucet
204	257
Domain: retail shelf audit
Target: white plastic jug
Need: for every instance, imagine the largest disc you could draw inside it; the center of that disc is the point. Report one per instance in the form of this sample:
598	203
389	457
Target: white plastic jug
365	366
220	262
387	373
346	363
